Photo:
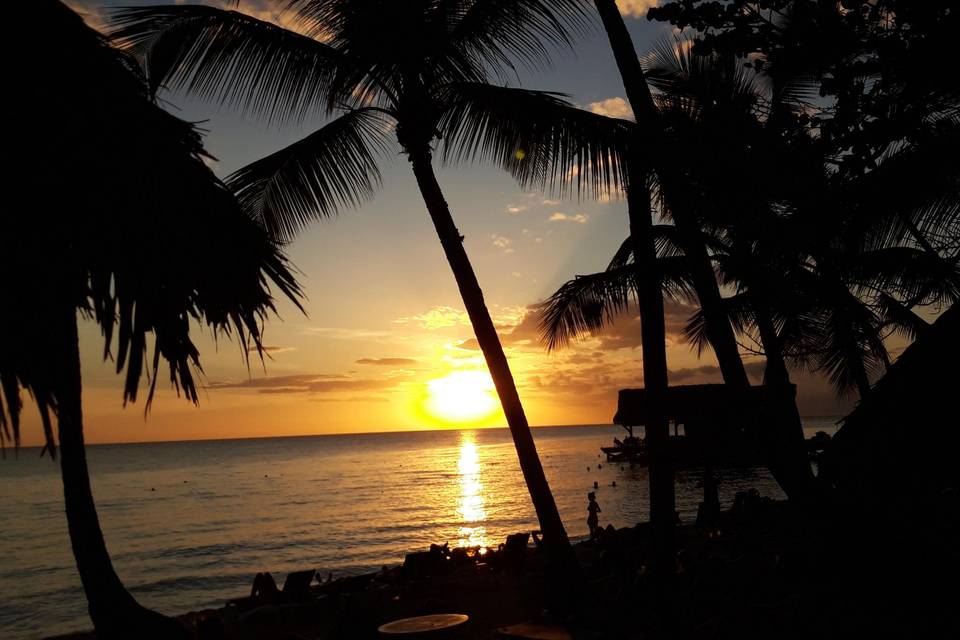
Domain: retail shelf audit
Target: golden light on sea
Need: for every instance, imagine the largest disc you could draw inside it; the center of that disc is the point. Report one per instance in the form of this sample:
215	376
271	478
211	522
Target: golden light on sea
472	532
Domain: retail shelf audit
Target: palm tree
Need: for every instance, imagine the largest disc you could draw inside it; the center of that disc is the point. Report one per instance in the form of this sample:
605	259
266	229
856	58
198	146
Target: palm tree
715	109
706	106
667	162
410	69
127	228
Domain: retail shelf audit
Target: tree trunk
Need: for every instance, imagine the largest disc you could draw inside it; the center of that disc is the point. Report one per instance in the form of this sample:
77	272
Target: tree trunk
650	293
114	612
655	375
789	463
719	331
555	539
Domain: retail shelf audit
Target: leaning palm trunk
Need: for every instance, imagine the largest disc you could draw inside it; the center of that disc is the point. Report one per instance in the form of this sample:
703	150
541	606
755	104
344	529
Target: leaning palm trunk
114	612
719	332
554	535
788	455
415	66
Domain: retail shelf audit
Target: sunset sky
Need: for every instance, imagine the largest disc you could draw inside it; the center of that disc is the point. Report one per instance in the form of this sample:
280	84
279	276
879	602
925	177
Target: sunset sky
385	343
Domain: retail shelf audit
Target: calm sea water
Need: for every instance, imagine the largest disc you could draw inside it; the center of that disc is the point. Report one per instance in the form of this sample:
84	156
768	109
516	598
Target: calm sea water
188	524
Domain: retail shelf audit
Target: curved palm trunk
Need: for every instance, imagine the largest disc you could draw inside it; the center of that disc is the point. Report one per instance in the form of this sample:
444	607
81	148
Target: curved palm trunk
554	535
114	612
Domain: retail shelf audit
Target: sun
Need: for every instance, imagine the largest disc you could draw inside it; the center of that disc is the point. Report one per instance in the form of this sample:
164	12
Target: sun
461	396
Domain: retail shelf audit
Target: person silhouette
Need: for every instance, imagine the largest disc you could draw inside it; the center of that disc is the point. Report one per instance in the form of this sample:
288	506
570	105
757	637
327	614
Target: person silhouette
593	520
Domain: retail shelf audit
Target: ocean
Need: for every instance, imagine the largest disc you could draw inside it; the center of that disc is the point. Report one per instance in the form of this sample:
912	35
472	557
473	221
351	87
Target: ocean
189	524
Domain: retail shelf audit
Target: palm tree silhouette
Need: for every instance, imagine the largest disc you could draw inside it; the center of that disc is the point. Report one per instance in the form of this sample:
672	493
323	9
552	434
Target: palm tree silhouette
819	269
407	69
130	229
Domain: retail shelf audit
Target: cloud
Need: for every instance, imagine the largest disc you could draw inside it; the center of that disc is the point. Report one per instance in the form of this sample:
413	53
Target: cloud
711	371
636	8
387	362
559	216
351	399
437	318
514	209
305	383
271	349
612	108
502	242
469	344
341	333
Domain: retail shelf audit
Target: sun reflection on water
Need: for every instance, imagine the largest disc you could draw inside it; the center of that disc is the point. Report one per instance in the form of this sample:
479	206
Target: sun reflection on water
473	531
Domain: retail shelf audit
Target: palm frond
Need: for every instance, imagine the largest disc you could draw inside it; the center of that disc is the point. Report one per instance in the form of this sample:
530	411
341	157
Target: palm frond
136	232
666	240
902	319
540	138
496	33
231	58
694	81
332	168
587	304
852	350
907	273
911	190
736	309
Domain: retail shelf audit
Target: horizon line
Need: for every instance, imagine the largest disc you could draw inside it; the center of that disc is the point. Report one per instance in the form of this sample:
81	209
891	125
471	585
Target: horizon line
351	433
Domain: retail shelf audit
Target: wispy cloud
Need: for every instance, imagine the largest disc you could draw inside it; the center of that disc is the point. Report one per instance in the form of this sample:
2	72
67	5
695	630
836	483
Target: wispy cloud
387	362
502	242
271	349
342	333
305	383
559	216
437	318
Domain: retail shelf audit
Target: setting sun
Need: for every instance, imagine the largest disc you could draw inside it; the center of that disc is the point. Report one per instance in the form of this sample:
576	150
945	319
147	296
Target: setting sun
461	396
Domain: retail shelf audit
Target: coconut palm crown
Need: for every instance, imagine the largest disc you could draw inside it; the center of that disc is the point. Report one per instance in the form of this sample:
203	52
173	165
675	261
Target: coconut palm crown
127	227
415	71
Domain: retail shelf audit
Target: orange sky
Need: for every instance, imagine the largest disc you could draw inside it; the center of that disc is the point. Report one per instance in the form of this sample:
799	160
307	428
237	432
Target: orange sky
375	340
384	317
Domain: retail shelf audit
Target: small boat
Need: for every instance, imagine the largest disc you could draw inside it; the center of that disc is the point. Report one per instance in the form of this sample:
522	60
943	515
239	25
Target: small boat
630	449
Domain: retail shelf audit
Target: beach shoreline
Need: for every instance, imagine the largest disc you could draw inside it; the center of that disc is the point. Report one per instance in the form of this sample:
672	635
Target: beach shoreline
764	567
